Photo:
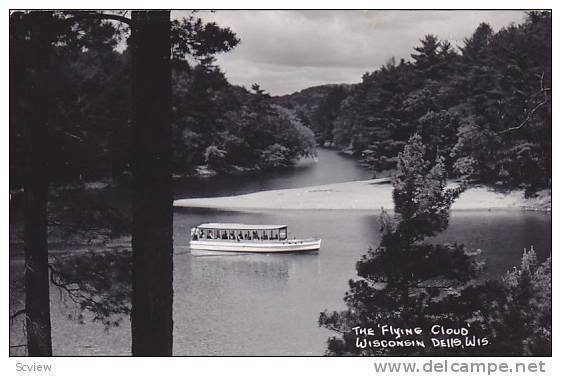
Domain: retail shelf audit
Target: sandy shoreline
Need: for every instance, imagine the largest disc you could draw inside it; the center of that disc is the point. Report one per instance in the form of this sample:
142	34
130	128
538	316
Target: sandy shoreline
356	195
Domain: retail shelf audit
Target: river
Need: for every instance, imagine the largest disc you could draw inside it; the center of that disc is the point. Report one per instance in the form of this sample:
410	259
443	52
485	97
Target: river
269	304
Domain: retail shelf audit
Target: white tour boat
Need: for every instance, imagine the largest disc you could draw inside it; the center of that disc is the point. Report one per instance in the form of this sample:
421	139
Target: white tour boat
227	238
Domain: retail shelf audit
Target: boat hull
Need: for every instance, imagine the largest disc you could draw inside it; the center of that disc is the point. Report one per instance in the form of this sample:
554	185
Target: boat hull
215	247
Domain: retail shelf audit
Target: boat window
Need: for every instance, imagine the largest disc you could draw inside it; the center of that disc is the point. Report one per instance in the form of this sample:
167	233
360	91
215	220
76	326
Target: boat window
240	233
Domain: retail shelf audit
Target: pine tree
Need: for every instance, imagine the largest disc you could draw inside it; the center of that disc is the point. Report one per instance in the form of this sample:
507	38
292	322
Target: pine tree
405	277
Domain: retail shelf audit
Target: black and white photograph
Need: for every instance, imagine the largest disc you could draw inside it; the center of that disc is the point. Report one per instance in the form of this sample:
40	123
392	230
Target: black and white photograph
280	183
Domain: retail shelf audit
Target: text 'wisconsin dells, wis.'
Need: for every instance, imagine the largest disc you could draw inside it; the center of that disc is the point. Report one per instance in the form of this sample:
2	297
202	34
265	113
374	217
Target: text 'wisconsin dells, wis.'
438	336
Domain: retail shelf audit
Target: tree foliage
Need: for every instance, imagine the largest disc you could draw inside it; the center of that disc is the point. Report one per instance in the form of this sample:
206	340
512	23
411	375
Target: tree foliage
100	283
410	282
485	105
518	311
90	117
403	280
235	127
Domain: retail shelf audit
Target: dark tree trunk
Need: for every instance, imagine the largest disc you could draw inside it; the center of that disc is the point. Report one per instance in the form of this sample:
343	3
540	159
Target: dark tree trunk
152	238
37	303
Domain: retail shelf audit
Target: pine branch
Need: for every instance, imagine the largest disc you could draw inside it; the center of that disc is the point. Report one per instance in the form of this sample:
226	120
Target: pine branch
17	313
530	115
331	327
74	294
543	90
74	136
75	226
99	16
419	284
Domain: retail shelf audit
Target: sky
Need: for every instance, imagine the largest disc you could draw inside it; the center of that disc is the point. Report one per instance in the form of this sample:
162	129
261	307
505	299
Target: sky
290	50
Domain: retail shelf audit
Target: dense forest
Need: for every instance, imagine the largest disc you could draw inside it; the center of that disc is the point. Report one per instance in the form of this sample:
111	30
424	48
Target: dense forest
228	128
484	105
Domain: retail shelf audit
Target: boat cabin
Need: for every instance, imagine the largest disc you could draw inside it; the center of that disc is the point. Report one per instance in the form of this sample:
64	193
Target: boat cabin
239	232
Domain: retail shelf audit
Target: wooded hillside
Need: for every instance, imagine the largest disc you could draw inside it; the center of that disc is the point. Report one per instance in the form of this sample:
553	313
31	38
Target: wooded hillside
484	105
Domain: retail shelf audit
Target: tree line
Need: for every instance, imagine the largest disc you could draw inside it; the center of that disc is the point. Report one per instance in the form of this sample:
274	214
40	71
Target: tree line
485	105
227	128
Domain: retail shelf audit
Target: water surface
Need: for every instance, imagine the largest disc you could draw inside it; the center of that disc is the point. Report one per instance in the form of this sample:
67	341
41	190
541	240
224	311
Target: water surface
269	304
329	167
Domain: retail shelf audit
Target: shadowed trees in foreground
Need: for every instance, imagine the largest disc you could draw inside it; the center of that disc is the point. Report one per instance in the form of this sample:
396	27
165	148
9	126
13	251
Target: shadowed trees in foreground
403	279
410	282
38	105
152	233
36	58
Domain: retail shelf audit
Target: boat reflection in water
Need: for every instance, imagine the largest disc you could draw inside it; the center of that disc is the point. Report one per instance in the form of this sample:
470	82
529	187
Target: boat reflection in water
235	238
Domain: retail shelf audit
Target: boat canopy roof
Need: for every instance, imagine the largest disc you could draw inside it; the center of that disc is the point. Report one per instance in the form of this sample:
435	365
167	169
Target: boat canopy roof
238	226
